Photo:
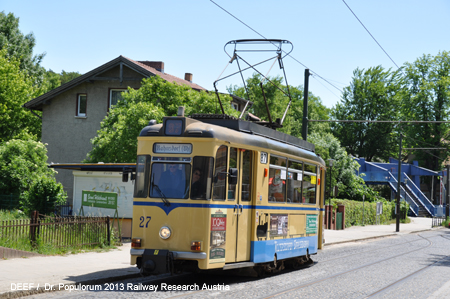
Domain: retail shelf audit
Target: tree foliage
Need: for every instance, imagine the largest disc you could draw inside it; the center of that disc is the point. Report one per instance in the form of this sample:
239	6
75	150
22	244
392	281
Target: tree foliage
374	95
53	80
20	47
277	101
43	194
428	99
22	163
16	88
350	185
117	139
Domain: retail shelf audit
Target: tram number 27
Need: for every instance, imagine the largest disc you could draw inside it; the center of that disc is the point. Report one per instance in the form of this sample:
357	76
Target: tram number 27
144	221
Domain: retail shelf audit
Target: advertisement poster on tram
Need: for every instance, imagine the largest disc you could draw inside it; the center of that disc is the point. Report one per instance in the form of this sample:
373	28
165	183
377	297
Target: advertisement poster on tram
311	224
218	236
278	224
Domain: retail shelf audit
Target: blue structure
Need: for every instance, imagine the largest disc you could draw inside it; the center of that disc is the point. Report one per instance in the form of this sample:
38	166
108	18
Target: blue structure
387	174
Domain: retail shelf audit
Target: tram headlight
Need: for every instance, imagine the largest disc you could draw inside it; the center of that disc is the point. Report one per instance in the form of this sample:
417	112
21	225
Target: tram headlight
165	232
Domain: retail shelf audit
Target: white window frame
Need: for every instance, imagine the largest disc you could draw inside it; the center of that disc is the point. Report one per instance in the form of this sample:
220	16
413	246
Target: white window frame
235	106
79	113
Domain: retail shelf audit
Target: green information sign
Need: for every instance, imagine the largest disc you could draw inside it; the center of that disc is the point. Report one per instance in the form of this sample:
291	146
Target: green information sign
311	224
107	200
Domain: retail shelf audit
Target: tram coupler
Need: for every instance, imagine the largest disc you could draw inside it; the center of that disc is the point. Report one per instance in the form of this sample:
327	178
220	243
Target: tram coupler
155	261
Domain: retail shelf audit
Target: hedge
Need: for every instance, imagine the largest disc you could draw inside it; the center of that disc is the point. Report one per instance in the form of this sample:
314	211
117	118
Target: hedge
354	211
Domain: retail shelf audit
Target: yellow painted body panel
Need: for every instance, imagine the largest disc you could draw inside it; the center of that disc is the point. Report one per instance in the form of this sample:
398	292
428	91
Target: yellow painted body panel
191	220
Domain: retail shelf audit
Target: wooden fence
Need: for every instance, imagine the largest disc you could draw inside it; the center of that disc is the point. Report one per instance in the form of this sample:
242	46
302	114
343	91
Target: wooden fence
57	231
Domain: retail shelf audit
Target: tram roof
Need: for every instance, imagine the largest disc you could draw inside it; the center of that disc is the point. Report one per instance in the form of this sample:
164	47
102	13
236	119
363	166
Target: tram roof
219	126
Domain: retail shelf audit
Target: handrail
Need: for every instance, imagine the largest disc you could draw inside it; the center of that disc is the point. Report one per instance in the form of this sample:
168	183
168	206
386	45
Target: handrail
412	204
376	166
422	198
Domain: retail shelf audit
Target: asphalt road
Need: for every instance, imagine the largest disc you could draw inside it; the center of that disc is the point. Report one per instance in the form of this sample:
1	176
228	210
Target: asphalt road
404	266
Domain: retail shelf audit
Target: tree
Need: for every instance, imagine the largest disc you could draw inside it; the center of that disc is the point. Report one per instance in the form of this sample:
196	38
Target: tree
43	194
344	176
53	80
22	162
374	95
20	47
316	110
428	99
16	88
117	139
68	76
277	102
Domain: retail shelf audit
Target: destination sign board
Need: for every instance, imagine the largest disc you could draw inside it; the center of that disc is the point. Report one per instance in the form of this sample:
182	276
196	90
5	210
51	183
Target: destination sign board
172	148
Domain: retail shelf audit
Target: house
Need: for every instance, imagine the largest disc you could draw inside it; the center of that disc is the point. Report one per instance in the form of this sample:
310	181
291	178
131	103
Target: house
72	113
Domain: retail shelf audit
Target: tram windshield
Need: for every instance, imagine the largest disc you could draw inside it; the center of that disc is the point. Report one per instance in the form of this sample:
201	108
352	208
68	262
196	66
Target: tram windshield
170	180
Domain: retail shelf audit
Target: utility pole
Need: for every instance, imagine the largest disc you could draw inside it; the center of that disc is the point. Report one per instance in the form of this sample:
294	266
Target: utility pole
305	106
399	176
447	208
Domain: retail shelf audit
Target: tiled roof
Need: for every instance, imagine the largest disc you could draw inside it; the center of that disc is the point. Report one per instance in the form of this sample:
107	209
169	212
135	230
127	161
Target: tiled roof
167	77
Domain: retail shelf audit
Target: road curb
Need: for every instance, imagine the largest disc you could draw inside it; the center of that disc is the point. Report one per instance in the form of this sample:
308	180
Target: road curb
383	236
357	240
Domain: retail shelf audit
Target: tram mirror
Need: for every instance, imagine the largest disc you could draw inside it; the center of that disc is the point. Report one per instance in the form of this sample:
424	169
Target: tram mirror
233	176
261	230
126	171
125	177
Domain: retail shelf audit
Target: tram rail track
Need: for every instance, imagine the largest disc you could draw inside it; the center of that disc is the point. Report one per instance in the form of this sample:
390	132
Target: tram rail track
368	251
430	243
395	283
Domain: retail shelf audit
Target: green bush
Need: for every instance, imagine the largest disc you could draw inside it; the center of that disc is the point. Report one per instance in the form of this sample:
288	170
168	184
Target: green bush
42	196
354	211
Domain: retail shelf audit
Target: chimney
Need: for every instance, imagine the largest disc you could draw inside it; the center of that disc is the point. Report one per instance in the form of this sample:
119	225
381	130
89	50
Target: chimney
188	77
158	65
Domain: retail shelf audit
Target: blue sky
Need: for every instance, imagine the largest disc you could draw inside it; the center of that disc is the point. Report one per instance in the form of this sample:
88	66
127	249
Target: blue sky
189	36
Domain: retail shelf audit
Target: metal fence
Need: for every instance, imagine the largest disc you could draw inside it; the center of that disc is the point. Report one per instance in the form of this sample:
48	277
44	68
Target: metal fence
57	231
12	202
437	221
9	202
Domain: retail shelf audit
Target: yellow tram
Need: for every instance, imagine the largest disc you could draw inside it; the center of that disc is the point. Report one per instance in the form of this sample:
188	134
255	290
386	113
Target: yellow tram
215	192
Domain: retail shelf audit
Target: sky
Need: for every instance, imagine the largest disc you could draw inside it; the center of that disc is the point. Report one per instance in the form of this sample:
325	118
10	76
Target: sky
189	36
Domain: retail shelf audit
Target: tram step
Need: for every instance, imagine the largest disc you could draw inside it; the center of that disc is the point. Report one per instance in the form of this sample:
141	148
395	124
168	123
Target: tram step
238	265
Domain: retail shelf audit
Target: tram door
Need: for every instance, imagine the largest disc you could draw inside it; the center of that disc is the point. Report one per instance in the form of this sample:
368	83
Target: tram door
240	195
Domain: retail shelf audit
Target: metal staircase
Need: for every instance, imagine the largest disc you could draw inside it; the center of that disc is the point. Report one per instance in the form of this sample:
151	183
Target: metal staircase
419	204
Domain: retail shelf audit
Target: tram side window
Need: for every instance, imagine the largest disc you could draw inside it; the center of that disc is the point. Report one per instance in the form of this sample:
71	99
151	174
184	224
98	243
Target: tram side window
277	179
232	188
202	172
310	183
294	182
170	180
246	176
220	173
142	173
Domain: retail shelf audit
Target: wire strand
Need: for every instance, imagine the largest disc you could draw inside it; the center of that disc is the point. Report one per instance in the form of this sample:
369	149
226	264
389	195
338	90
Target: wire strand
372	37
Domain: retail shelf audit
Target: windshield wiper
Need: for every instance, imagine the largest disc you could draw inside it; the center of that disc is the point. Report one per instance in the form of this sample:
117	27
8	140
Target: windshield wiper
163	197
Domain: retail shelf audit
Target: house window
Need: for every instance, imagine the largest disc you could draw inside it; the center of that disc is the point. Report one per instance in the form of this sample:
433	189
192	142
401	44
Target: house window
81	104
235	106
115	95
